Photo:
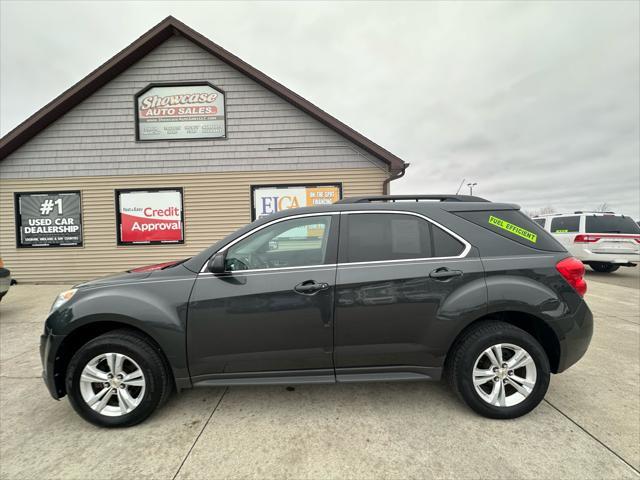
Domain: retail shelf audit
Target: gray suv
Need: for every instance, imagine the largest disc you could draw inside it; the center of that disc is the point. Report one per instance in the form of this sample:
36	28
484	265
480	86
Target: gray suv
367	289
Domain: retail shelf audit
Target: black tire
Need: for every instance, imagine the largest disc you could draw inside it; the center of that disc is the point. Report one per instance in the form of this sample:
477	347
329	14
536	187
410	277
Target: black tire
135	346
470	346
603	267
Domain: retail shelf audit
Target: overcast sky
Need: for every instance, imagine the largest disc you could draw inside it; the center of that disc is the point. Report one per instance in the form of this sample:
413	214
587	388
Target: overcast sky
536	102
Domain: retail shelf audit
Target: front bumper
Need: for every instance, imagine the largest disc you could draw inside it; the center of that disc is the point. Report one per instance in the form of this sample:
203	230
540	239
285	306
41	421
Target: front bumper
49	345
575	337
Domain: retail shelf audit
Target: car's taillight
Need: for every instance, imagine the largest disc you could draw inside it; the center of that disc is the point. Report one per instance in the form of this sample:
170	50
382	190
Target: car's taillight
572	270
586	238
591	238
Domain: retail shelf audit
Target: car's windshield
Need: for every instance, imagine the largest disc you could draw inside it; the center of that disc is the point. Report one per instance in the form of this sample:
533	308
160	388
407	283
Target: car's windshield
610	224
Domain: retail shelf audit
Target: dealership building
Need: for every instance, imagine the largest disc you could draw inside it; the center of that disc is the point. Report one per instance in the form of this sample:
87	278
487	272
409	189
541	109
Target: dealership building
163	150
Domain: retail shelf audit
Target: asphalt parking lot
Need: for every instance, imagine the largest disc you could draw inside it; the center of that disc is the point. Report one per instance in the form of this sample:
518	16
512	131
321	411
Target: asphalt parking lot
588	426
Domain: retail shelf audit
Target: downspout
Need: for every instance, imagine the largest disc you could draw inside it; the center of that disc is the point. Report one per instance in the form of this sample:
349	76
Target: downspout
392	177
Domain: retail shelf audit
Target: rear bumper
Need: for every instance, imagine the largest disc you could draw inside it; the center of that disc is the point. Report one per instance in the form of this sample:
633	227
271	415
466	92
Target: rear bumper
49	345
618	258
575	336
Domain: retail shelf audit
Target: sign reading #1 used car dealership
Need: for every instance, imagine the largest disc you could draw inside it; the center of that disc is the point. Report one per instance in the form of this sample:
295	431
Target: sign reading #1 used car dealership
48	219
150	216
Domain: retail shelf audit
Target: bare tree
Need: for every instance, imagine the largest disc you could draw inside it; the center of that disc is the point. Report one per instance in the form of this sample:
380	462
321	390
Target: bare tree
547	210
603	207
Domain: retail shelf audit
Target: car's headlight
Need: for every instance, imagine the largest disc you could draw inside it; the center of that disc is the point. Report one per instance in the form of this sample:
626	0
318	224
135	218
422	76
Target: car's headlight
63	298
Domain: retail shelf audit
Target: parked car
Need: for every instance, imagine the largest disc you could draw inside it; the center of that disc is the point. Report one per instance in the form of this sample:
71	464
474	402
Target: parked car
5	280
366	289
603	240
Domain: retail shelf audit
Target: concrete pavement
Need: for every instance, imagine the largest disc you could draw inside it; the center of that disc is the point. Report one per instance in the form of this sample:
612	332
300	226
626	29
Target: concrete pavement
588	426
623	277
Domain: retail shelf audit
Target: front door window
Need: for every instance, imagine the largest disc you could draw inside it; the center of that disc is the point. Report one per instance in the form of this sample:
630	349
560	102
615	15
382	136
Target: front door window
299	242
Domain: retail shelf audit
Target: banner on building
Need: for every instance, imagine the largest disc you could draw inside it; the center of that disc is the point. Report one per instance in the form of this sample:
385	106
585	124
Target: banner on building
150	216
266	199
180	111
48	219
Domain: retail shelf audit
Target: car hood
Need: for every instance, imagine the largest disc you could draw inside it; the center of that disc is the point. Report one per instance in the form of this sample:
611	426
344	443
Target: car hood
138	273
113	279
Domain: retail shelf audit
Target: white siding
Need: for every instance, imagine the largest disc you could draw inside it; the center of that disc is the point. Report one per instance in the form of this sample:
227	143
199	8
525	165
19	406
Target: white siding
97	137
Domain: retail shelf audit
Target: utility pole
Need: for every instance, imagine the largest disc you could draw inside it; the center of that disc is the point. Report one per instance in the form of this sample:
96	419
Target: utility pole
471	185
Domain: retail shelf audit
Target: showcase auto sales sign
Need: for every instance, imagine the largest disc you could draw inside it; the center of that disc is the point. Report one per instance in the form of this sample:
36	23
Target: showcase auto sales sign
150	216
172	112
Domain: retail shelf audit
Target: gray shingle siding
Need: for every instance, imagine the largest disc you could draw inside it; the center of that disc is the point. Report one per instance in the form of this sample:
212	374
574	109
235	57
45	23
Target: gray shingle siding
97	137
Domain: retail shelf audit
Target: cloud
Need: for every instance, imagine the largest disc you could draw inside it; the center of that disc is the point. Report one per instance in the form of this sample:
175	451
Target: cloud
537	102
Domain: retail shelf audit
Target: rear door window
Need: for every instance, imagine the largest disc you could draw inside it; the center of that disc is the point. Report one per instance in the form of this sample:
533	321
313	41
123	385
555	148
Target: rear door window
444	245
540	221
565	224
370	237
611	224
374	237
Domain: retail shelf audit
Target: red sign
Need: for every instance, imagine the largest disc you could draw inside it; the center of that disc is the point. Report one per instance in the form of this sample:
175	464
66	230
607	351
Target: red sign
150	216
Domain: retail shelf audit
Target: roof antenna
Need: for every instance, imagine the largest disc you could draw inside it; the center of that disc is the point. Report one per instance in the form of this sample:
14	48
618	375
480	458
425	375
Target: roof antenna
458	191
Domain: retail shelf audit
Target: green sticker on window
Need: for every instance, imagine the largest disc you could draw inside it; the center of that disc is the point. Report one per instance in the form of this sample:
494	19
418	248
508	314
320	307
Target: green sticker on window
511	228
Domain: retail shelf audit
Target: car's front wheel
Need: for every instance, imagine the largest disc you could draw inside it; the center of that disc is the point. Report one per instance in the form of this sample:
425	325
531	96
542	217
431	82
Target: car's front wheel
499	370
604	267
117	379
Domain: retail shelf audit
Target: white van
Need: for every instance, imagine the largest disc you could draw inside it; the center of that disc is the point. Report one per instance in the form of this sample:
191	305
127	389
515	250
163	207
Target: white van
603	240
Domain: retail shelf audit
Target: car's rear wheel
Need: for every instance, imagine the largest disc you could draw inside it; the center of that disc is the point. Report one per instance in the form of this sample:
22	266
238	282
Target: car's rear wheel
117	379
604	267
499	370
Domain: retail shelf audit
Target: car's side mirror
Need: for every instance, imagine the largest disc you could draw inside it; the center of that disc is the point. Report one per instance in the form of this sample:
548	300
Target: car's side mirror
216	264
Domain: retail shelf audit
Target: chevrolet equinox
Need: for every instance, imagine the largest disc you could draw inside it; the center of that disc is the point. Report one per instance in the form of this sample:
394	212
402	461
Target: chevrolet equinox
368	289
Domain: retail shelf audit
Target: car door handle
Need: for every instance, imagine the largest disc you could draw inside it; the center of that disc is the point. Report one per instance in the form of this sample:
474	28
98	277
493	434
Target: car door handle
444	274
310	287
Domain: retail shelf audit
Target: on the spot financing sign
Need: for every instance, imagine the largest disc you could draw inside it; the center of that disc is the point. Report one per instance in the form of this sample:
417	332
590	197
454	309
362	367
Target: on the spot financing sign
150	216
174	112
272	199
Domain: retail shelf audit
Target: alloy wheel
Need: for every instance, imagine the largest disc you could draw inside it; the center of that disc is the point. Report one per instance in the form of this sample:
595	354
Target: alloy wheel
112	384
504	375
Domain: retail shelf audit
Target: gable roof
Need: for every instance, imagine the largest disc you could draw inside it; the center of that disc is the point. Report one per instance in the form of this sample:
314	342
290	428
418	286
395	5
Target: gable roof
145	44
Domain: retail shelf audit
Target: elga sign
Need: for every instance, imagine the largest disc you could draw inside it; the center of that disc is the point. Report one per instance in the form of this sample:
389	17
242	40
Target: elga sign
271	199
48	219
150	216
177	112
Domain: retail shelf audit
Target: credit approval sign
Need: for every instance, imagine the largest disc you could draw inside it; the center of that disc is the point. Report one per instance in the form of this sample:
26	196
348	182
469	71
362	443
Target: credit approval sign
150	216
271	199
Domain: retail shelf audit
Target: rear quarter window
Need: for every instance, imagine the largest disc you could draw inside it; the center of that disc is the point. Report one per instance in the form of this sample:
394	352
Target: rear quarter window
514	225
565	224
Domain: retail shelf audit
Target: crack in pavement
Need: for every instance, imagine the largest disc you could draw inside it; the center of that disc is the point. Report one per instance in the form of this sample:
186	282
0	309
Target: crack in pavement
226	389
592	436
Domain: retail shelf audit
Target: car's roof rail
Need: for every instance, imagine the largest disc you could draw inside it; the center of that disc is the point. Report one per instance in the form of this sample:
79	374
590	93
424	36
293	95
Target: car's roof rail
591	211
416	198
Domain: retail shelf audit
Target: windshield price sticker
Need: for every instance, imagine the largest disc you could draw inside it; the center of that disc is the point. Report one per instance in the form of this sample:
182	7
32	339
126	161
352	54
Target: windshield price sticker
511	228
